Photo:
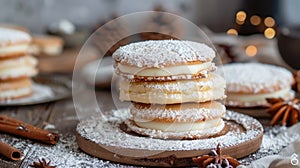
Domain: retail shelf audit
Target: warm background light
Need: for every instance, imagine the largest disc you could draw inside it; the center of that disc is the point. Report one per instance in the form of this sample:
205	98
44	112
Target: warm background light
269	33
240	17
232	32
269	22
251	50
255	20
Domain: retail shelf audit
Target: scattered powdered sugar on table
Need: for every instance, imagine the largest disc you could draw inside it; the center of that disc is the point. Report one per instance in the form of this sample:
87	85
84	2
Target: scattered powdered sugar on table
274	140
66	154
8	36
159	53
40	92
255	77
110	133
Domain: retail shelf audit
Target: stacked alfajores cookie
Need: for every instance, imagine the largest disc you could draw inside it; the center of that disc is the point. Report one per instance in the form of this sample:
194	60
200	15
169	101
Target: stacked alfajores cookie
16	66
173	88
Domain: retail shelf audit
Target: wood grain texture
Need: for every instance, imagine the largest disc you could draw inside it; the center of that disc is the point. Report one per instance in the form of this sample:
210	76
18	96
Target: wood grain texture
63	116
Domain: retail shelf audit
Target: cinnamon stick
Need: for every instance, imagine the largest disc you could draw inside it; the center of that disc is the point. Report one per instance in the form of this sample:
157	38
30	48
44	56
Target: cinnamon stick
10	152
20	128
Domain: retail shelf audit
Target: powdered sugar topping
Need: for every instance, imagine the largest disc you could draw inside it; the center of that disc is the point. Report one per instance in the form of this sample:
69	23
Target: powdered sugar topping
256	77
9	36
160	53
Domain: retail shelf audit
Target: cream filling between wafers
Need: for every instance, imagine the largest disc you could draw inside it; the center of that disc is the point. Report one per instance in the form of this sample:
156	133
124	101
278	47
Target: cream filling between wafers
51	49
173	92
166	71
15	93
172	98
179	127
14	49
257	97
17	71
18	62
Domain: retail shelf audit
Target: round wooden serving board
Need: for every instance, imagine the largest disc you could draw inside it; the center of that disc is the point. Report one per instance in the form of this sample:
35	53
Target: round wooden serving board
109	138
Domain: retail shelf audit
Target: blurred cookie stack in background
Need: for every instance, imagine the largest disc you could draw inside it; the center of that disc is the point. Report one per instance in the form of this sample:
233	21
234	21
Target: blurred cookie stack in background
46	45
16	66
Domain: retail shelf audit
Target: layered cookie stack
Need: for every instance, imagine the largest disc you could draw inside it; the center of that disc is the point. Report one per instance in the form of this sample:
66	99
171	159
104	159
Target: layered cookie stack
16	67
172	87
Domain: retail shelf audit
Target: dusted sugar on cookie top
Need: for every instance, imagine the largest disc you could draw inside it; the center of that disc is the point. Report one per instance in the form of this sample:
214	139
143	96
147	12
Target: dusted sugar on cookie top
249	84
256	78
11	36
164	60
13	42
161	53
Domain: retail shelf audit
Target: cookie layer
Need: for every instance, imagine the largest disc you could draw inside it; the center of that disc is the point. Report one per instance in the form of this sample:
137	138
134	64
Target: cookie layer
15	88
17	67
249	84
46	45
164	60
184	131
192	71
186	112
256	78
172	92
13	42
251	100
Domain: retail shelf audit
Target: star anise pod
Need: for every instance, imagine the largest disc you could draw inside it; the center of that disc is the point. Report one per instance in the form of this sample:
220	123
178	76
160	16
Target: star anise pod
216	160
286	111
42	164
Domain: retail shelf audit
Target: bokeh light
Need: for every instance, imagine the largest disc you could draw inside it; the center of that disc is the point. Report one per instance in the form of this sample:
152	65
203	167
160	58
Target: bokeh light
232	32
255	20
269	33
251	50
240	17
269	22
